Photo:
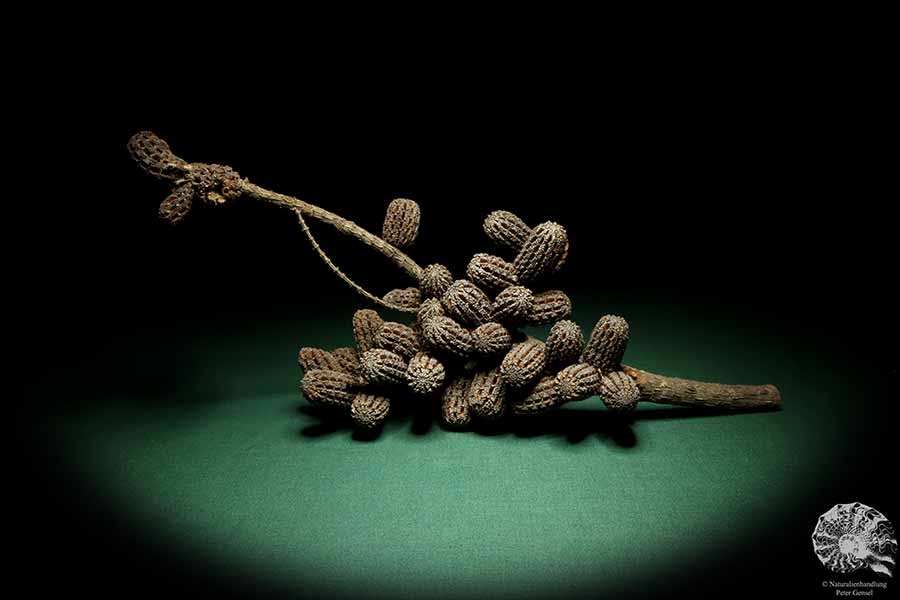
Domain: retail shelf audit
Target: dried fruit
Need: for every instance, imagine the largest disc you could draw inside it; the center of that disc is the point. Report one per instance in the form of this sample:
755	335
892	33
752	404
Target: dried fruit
542	398
446	335
316	358
577	382
366	325
486	395
401	223
177	205
524	363
435	280
429	309
425	374
548	307
455	403
564	345
369	411
330	388
513	305
404	297
606	347
542	252
619	391
506	229
382	366
491	272
398	338
465	302
491	339
154	156
348	358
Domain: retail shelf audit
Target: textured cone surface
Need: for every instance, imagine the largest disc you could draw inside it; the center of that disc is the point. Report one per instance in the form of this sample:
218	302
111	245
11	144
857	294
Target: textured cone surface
435	280
564	345
153	155
491	272
486	395
506	229
524	363
401	222
577	382
330	388
619	391
542	398
513	305
177	205
548	307
445	334
455	403
316	358
382	366
606	347
369	411
542	251
491	339
398	338
366	325
425	374
348	358
429	309
404	297
214	183
465	302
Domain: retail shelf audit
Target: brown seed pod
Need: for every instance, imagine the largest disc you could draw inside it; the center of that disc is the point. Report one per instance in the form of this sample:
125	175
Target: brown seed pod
404	297
214	183
577	382
491	272
330	388
366	325
348	358
564	345
487	394
435	280
541	252
382	366
425	374
316	358
491	339
465	302
369	411
619	391
513	305
548	307
153	155
429	309
541	398
446	335
177	205
506	229
398	338
606	347
455	404
524	363
401	223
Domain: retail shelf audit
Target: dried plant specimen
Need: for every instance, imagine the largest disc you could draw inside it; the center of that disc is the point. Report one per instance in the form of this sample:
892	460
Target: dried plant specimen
464	345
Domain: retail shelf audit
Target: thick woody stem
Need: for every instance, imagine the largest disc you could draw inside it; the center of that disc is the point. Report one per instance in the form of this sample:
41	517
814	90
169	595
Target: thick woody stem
341	224
684	392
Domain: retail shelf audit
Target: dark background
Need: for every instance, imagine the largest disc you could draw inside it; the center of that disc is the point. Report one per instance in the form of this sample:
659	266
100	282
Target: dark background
753	181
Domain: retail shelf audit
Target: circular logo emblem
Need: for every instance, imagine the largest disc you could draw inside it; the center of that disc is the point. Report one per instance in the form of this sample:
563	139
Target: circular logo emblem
854	536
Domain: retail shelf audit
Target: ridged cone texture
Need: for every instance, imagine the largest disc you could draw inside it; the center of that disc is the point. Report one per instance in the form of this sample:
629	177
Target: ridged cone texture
446	335
491	339
541	398
366	325
380	366
398	338
404	297
577	382
435	280
455	404
330	388
316	358
564	345
513	305
524	363
487	394
425	374
491	272
549	307
620	393
369	411
467	303
542	252
506	229
401	222
606	346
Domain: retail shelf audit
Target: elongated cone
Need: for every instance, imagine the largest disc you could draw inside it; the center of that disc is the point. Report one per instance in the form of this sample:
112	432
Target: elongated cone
430	308
382	366
491	339
506	229
369	411
491	272
542	398
564	345
330	388
398	338
542	252
455	404
316	358
487	394
465	302
619	392
577	382
153	155
446	335
425	374
549	307
348	358
366	325
401	223
435	280
524	363
404	297
513	305
607	344
177	205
